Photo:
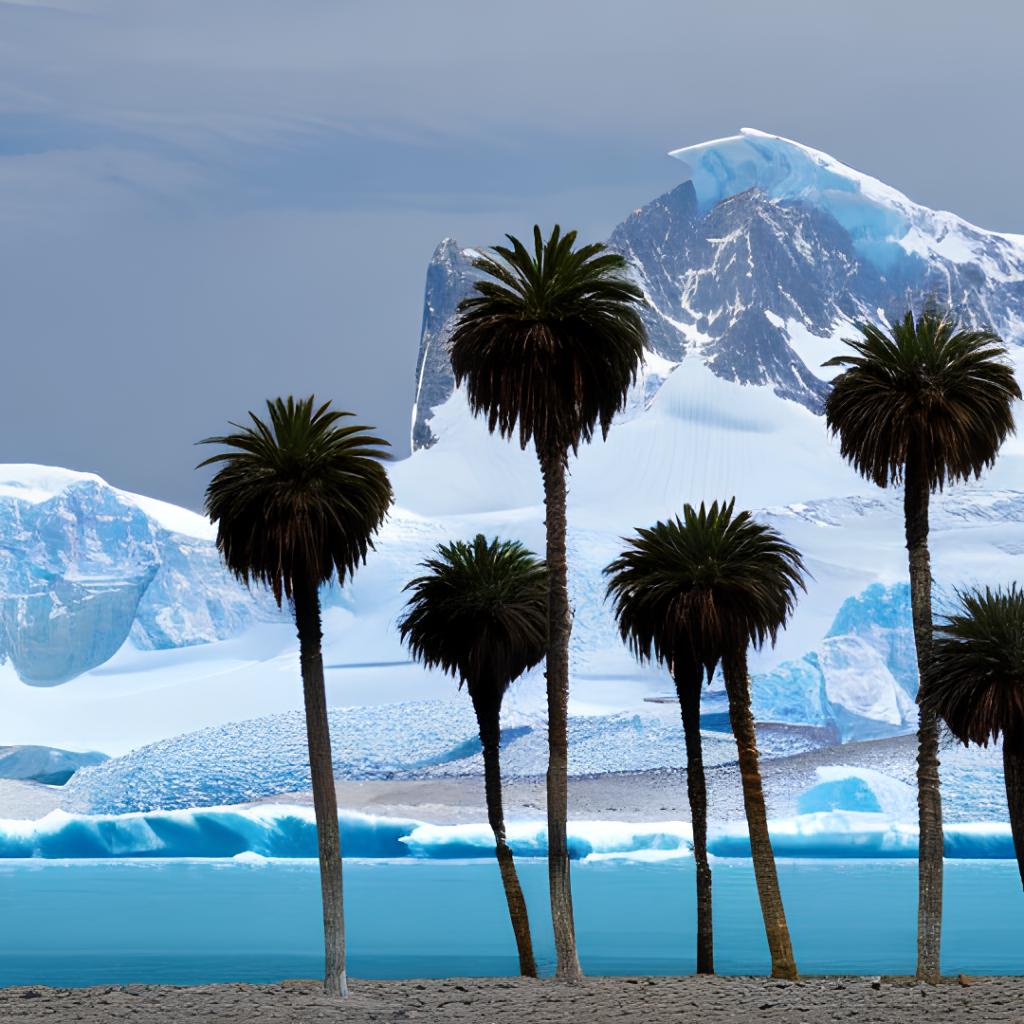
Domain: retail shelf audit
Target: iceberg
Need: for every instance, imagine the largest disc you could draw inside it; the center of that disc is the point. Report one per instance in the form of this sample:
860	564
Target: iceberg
268	831
249	834
73	570
83	569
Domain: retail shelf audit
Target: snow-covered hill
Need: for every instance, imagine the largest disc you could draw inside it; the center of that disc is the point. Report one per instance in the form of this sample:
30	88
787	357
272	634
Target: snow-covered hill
120	627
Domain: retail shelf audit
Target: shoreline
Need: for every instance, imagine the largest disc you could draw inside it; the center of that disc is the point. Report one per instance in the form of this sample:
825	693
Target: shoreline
711	999
651	796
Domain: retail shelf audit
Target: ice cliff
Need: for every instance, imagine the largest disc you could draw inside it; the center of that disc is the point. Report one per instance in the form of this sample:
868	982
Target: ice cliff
86	568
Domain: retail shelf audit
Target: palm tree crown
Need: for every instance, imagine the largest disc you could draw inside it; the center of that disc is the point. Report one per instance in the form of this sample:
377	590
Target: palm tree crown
698	591
929	385
976	681
480	613
552	342
694	587
298	498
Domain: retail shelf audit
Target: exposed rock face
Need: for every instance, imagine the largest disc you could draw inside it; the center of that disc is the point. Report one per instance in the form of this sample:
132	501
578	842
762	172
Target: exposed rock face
450	278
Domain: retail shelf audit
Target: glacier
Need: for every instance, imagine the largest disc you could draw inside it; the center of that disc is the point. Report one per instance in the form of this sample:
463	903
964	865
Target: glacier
83	569
249	834
121	629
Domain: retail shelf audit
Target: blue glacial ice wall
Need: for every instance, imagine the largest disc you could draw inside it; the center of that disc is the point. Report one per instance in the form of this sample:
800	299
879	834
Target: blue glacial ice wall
285	831
72	573
267	831
861	679
193	599
86	568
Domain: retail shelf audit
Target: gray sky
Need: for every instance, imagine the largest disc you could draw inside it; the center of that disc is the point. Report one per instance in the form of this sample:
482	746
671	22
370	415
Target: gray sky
205	203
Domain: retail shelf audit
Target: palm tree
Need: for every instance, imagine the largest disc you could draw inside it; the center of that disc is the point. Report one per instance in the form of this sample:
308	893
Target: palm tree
703	589
976	685
295	502
652	583
481	613
551	344
923	403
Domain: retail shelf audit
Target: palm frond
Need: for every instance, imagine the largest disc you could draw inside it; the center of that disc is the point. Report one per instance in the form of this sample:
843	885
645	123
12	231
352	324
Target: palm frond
479	613
976	681
689	589
927	386
300	496
552	342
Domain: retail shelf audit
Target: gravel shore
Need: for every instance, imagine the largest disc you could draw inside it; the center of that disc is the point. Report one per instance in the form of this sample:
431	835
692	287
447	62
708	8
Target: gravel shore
710	1000
972	789
658	795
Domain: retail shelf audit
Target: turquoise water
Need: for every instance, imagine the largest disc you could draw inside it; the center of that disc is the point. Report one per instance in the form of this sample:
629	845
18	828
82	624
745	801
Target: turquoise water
195	921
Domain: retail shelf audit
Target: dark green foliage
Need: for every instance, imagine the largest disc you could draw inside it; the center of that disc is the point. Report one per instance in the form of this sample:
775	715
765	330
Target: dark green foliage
691	588
976	683
298	498
929	385
480	613
552	342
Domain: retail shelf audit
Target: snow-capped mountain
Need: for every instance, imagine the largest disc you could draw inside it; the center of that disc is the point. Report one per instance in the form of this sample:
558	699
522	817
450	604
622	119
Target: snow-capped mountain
765	253
754	267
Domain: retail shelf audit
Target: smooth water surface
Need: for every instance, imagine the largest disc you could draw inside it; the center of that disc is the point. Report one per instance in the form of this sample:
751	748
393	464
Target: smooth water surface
190	922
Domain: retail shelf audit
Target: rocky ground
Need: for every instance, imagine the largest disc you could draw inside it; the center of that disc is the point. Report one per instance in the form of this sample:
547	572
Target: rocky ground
972	789
709	1000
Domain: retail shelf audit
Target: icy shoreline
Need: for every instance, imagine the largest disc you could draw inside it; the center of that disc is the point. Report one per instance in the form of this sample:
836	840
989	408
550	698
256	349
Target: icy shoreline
287	831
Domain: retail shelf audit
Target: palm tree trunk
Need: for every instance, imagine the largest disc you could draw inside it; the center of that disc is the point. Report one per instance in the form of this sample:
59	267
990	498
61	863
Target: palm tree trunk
737	686
490	738
929	800
1013	772
306	599
688	682
552	464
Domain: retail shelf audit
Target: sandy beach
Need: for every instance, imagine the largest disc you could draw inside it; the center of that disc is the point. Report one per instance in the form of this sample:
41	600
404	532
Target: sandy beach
710	1000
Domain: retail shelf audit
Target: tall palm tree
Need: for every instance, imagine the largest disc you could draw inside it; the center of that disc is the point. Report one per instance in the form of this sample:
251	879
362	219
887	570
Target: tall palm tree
976	685
296	502
926	402
481	613
551	345
653	586
703	589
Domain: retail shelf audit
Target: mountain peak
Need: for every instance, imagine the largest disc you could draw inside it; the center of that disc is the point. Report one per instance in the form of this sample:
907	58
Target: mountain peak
765	254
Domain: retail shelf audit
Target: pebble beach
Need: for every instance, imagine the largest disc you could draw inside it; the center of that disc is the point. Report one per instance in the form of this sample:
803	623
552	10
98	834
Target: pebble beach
709	1000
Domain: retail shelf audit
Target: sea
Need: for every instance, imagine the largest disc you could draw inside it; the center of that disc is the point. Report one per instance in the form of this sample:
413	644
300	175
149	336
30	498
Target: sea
189	921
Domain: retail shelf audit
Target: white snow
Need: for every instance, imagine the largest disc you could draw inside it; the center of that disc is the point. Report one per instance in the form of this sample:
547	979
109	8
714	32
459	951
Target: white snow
35	484
686	436
880	219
